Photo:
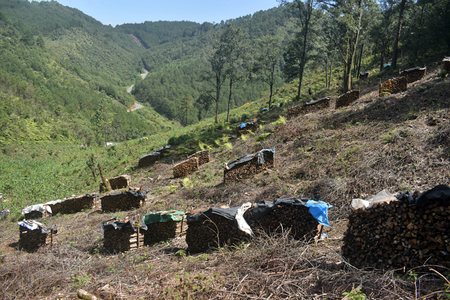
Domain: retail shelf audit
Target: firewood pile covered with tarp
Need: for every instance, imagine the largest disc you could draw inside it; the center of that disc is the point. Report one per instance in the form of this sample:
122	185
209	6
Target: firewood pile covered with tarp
216	227
163	226
309	107
203	156
122	235
413	74
301	217
65	206
404	231
123	201
248	165
34	235
245	128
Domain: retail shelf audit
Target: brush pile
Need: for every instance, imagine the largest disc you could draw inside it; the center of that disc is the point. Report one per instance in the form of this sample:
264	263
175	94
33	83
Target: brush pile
203	156
308	107
72	204
163	226
393	86
122	235
120	182
149	159
347	98
216	227
245	128
413	74
34	235
123	201
248	165
186	167
397	234
289	214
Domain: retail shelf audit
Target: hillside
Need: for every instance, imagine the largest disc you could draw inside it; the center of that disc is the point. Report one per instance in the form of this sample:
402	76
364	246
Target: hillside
398	142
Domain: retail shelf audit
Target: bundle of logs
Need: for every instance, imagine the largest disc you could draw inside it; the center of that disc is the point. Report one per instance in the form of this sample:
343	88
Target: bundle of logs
119	182
245	128
393	86
413	74
309	107
34	235
72	204
186	167
211	230
149	159
347	98
123	201
446	64
163	231
248	165
203	156
294	218
123	238
396	235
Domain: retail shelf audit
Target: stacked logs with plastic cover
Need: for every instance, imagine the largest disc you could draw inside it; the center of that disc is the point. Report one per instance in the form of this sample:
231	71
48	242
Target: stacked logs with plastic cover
149	159
72	204
397	234
446	64
309	107
203	156
34	235
120	182
186	167
283	215
347	98
122	235
393	86
213	228
248	165
163	231
245	128
123	201
413	74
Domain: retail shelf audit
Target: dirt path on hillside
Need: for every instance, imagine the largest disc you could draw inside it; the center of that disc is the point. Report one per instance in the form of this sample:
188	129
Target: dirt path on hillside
136	106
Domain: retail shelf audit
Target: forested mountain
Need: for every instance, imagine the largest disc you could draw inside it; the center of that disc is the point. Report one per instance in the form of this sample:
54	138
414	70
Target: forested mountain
64	75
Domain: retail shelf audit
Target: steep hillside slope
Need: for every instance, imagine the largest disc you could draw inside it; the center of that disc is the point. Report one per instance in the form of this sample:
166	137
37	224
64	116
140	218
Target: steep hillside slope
398	142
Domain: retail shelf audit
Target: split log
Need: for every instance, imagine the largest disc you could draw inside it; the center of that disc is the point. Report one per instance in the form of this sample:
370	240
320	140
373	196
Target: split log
413	74
347	98
123	201
186	167
308	107
248	165
203	156
393	86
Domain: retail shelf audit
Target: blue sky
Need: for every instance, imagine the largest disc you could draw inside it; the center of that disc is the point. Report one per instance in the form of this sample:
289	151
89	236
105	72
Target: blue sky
138	11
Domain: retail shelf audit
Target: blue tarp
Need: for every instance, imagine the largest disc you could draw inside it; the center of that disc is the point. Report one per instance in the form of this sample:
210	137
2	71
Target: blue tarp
319	210
242	125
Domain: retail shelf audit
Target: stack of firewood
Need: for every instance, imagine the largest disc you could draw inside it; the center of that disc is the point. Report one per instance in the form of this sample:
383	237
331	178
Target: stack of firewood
72	204
248	165
293	217
309	107
203	156
393	86
396	235
245	128
347	98
149	159
36	211
122	235
163	150
34	235
163	231
186	167
413	74
210	230
120	182
123	201
446	64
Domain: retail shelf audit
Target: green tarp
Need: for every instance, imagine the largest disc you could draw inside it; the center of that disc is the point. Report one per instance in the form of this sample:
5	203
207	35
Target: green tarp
163	216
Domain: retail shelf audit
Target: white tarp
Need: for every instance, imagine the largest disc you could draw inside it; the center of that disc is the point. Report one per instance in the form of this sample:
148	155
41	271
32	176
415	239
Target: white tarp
42	208
382	196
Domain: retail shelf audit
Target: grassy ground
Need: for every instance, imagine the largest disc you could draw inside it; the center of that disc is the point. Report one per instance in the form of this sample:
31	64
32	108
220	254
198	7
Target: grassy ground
399	142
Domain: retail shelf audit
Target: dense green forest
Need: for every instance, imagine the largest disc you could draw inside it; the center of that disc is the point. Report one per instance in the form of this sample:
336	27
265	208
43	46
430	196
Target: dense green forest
64	75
